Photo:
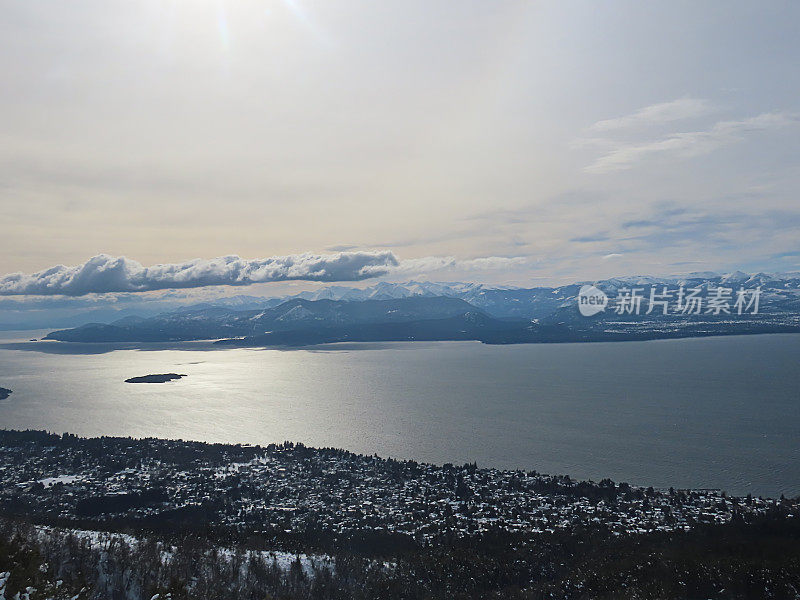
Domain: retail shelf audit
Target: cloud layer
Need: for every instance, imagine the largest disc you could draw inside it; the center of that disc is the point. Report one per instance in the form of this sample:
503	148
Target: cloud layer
663	112
106	274
689	144
428	264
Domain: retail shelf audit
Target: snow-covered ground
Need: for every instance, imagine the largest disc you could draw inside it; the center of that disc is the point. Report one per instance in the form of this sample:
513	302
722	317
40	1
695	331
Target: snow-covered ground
65	479
103	540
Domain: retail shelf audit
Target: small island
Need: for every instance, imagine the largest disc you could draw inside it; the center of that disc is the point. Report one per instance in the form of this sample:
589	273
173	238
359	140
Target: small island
4	393
156	378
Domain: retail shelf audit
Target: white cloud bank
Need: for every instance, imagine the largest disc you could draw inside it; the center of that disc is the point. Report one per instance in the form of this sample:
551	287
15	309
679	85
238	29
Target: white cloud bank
689	144
104	274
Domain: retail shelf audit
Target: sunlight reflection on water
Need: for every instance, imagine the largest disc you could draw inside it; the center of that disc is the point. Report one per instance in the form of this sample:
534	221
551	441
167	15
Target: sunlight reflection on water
711	412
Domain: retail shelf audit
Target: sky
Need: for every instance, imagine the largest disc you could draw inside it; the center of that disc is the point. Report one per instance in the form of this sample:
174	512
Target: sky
515	143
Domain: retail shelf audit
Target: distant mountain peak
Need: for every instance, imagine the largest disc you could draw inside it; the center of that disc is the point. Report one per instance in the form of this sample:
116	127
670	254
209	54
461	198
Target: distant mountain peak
735	277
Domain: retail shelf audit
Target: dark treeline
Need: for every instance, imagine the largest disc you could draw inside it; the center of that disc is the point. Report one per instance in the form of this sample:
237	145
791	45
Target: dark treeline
748	560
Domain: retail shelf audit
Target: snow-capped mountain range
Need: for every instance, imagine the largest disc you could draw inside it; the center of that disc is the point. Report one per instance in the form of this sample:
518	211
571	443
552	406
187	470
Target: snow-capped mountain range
458	311
781	292
510	301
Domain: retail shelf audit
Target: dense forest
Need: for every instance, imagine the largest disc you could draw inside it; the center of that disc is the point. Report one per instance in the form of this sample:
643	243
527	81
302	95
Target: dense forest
748	560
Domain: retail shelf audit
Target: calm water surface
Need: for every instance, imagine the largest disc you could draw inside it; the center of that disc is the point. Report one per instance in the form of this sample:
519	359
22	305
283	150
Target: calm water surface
713	412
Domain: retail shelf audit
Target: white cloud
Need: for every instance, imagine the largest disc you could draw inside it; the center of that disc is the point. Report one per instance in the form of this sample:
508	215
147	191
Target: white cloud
106	274
689	144
664	112
428	264
492	262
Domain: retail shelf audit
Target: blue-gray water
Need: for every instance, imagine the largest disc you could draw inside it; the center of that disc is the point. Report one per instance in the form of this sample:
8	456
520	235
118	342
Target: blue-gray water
715	412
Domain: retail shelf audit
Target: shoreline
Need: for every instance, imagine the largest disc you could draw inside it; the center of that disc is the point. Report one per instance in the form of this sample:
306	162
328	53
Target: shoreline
48	345
257	447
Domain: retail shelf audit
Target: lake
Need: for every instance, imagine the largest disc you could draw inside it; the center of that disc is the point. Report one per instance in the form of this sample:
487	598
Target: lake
721	412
